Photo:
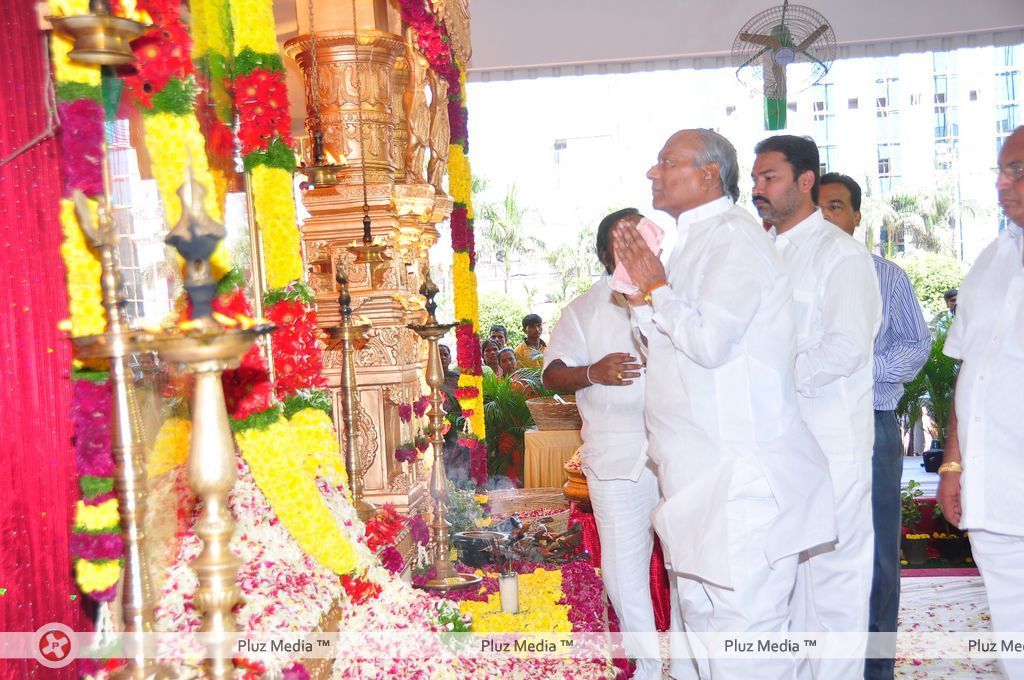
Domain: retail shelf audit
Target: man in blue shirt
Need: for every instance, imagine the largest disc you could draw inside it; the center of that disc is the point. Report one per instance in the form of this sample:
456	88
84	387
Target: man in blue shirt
901	349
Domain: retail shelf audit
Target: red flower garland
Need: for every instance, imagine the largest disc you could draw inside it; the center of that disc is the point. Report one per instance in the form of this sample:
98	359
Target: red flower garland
261	98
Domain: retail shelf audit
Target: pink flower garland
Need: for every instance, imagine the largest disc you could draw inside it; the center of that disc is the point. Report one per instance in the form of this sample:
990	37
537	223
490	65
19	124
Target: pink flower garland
81	140
90	414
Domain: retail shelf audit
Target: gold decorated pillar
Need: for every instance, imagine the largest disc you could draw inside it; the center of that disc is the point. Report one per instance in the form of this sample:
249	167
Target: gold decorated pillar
375	113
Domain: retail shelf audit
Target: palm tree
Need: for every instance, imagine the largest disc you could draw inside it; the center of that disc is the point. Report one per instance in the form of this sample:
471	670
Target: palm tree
575	264
505	231
928	219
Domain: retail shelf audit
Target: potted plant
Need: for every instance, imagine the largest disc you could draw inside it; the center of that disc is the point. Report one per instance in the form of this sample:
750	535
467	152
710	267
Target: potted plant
915	545
931	391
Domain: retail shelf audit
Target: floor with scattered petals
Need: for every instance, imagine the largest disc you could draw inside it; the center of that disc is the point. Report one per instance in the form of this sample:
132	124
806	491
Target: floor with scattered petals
944	604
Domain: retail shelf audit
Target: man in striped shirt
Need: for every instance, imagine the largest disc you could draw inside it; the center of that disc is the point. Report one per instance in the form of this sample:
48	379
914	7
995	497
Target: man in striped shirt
901	349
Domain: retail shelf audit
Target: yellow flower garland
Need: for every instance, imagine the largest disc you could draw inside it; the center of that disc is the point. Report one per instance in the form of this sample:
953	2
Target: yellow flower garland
278	467
97	576
85	299
314	435
174	142
274	205
170	448
459	178
93	518
253	24
538	612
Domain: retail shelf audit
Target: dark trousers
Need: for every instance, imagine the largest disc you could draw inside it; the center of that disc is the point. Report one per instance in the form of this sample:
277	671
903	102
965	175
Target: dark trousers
886	477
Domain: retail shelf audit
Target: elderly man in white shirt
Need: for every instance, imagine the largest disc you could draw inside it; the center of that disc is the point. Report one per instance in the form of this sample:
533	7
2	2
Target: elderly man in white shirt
838	312
981	486
594	353
746	485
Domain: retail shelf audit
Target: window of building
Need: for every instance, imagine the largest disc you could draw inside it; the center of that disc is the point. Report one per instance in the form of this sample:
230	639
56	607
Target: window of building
973	95
853	103
791	106
915	99
1006	118
1006	86
729	110
883	166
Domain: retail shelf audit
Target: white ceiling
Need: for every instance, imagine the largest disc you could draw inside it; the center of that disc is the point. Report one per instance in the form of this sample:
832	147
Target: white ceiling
530	38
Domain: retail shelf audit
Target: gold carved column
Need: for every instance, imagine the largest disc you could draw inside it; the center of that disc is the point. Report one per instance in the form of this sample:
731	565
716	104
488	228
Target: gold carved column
374	75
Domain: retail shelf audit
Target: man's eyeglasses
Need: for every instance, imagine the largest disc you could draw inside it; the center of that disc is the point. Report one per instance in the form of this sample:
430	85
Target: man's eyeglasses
1013	172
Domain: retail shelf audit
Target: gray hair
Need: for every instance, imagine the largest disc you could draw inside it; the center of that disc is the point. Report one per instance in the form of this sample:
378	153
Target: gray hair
717	149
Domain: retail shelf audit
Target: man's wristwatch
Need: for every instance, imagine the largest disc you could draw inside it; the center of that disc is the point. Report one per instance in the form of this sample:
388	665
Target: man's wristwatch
655	286
951	466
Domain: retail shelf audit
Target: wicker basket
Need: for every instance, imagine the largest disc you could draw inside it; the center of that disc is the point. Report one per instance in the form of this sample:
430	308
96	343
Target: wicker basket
548	414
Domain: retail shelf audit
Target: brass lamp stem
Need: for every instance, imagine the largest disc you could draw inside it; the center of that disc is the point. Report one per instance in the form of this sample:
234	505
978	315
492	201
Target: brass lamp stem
349	332
117	345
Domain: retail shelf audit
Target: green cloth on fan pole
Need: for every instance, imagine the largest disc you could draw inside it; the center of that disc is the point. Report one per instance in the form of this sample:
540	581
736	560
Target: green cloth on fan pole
774	113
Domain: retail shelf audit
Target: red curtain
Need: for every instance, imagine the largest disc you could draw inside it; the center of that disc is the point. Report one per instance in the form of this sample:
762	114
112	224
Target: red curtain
37	484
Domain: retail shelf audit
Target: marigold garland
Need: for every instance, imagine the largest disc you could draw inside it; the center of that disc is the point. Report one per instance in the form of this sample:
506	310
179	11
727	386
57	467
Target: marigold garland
98	576
163	87
432	39
278	466
314	436
274	205
170	448
94	518
85	299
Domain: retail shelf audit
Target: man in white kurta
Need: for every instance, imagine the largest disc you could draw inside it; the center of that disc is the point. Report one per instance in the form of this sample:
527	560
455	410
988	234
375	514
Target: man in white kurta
838	312
981	487
594	353
745	484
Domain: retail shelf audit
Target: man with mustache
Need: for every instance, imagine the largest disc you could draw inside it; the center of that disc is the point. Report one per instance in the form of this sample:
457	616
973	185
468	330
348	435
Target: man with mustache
981	485
745	484
901	348
838	311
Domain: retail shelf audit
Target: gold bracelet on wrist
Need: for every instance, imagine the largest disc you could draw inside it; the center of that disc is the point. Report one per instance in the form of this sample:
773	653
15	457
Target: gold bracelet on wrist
951	466
655	286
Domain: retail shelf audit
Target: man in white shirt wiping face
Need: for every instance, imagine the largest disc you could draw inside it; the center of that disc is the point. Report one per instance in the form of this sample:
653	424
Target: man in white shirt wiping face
838	312
745	483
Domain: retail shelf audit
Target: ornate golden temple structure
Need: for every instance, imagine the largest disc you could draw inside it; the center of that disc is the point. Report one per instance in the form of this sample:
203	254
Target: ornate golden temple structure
383	116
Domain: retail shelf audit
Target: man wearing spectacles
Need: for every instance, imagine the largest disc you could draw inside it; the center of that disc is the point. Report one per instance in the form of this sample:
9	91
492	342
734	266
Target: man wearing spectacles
982	474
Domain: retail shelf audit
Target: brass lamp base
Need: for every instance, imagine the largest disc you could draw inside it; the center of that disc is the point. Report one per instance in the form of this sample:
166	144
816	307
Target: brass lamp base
320	176
450	583
369	253
100	38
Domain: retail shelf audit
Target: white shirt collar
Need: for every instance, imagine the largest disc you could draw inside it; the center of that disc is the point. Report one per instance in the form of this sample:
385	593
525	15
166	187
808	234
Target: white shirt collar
704	211
801	231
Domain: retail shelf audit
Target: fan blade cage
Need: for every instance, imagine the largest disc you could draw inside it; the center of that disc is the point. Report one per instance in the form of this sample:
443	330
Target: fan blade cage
809	46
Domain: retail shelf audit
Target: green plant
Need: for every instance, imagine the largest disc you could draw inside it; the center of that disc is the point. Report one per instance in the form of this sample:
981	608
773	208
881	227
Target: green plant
931	276
932	389
506	418
498	308
910	511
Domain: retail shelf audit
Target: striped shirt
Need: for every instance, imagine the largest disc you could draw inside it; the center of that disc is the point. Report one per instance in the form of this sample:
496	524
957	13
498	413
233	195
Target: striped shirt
903	342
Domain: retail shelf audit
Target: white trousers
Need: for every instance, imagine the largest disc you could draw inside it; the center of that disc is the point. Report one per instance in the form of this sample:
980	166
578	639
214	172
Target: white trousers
759	600
1000	559
622	512
833	588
